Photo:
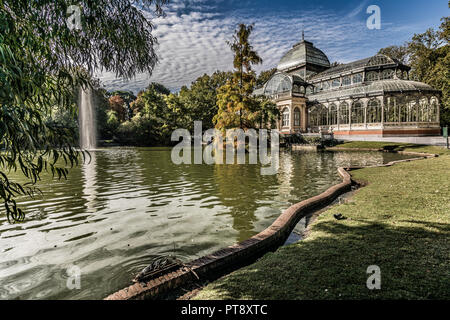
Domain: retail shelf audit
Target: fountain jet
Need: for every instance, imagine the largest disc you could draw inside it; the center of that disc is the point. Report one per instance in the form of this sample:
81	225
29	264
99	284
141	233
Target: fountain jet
86	120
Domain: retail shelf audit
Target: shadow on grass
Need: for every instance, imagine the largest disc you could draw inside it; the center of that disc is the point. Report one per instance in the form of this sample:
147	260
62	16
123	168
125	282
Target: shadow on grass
414	261
402	147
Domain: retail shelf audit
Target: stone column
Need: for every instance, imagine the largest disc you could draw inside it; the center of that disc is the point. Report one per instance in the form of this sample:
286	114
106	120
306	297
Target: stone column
382	112
304	118
291	118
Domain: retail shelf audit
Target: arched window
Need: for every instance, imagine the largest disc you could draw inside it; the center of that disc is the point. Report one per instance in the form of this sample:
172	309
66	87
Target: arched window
391	110
279	83
297	117
343	113
336	83
403	108
346	81
424	109
333	115
372	76
412	110
318	115
309	89
357	78
374	111
434	109
302	90
387	74
285	117
399	74
358	112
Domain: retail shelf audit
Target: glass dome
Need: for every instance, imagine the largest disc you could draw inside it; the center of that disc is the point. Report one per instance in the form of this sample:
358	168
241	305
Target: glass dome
279	83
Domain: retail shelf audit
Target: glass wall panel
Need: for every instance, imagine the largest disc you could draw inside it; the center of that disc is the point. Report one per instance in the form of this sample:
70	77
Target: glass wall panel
279	83
357	78
333	115
374	111
424	109
286	117
358	112
434	109
336	83
372	76
343	113
391	110
297	117
387	74
346	81
403	109
412	111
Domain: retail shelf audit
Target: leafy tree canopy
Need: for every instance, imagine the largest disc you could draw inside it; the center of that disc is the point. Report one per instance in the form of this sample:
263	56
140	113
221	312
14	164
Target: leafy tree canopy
237	107
43	63
428	54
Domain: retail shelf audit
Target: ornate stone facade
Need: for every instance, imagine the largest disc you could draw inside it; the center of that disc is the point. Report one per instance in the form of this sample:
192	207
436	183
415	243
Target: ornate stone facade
372	96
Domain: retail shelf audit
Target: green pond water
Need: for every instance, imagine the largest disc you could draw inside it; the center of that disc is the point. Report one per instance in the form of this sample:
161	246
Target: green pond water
113	216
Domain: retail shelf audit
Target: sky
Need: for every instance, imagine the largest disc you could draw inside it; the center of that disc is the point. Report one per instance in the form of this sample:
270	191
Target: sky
193	34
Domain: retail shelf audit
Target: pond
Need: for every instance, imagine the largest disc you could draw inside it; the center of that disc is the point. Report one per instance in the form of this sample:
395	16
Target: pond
111	217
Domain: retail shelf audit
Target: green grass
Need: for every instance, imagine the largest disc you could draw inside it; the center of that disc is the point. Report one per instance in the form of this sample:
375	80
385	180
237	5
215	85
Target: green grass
400	221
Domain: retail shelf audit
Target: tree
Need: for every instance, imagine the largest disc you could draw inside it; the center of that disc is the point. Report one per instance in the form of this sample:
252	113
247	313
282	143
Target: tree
428	54
117	104
153	120
158	87
264	76
335	64
43	62
235	100
399	53
128	97
200	99
268	113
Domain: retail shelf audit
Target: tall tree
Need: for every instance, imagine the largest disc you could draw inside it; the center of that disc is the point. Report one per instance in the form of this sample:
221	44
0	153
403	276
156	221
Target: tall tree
42	61
234	99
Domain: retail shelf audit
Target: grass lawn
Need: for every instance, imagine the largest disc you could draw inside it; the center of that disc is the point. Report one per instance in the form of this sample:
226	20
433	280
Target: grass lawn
400	222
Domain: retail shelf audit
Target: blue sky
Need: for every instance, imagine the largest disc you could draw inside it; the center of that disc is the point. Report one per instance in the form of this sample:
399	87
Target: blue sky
192	37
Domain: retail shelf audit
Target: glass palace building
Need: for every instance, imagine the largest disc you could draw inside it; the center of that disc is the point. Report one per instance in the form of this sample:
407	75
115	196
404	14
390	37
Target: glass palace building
372	96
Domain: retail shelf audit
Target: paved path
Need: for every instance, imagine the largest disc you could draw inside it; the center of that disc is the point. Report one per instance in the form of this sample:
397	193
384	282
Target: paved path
434	141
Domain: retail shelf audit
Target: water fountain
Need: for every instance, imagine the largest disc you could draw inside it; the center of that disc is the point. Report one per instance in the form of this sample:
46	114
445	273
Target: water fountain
86	120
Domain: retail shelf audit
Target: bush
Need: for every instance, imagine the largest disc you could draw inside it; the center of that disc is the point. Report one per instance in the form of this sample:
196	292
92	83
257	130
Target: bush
137	131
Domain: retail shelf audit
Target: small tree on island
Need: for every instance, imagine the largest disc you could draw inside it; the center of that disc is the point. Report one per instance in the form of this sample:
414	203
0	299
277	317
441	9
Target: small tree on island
238	107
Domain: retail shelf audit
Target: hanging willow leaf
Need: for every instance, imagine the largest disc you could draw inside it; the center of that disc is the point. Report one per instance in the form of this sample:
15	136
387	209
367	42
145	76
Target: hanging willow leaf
42	66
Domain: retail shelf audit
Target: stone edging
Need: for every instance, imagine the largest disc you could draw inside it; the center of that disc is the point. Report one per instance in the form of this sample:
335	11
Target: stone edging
253	248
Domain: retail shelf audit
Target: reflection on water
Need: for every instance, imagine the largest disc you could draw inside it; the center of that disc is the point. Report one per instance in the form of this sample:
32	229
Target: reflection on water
89	170
127	206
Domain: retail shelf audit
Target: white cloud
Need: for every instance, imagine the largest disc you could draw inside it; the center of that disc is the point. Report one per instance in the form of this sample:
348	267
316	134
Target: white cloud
192	39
